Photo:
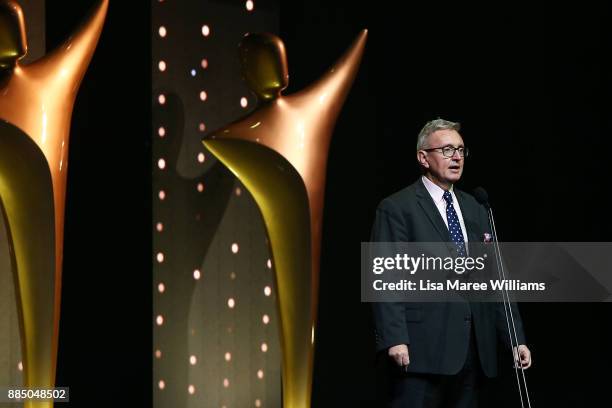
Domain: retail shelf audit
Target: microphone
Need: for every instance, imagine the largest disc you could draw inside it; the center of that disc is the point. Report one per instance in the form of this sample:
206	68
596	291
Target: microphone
480	194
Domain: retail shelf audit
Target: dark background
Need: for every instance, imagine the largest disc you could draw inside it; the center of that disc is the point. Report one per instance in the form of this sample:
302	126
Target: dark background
105	354
530	85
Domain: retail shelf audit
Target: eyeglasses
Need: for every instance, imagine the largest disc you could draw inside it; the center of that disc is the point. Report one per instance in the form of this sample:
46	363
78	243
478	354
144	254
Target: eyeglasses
449	151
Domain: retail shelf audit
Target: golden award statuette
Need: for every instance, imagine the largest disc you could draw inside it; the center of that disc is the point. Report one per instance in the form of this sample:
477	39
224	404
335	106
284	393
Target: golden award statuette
279	152
36	102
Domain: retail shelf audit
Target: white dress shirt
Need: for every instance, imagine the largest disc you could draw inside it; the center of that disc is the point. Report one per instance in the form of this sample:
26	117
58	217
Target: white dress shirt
437	194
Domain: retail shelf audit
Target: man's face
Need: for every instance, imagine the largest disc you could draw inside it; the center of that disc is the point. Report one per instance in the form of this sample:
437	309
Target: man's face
444	171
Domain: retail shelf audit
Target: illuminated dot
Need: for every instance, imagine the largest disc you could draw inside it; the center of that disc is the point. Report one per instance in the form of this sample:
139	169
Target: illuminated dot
193	72
228	356
201	157
244	102
205	30
200	187
162	66
238	191
249	5
260	374
161	384
191	389
196	274
265	319
161	99
159	320
267	291
269	264
161	131
161	163
162	31
158	353
204	63
20	366
193	360
159	227
203	95
231	303
161	195
161	288
235	248
233	275
258	403
160	257
225	382
264	347
201	127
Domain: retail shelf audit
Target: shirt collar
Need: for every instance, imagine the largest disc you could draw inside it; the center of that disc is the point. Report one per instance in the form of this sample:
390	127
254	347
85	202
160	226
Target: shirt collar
435	191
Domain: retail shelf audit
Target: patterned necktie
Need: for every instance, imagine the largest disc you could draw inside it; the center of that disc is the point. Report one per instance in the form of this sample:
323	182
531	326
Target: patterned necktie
454	227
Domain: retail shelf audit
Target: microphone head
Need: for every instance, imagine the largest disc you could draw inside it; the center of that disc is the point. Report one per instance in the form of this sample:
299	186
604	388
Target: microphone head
480	194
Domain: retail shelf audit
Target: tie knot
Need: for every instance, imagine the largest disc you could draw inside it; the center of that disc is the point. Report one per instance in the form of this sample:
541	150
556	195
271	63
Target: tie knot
448	197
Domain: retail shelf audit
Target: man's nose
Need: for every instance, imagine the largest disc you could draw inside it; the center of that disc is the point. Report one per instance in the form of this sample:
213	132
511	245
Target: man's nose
456	156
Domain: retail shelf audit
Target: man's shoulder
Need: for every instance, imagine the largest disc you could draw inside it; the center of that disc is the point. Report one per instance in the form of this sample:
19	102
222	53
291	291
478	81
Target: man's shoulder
467	198
401	198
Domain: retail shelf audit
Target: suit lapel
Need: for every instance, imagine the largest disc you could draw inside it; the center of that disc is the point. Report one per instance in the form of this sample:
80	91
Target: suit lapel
430	209
469	217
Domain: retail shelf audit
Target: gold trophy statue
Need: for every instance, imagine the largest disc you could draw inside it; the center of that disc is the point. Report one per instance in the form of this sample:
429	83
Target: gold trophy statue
279	152
36	102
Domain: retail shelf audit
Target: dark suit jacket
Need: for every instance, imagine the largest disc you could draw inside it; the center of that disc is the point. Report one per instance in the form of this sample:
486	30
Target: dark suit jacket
437	333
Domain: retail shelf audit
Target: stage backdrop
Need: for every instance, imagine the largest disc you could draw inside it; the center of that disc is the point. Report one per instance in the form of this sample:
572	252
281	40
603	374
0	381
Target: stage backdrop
215	336
10	346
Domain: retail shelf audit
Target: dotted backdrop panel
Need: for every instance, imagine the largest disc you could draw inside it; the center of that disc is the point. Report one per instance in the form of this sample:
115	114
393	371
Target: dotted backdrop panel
215	333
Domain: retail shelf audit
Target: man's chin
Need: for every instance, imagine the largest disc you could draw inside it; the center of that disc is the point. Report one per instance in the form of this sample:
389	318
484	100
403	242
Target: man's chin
453	177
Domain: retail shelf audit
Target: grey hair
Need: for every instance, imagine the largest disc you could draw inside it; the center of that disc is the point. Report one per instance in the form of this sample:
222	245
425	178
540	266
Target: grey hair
433	126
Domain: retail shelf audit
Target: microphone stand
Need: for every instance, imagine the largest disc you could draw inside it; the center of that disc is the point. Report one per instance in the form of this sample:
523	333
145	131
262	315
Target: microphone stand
507	306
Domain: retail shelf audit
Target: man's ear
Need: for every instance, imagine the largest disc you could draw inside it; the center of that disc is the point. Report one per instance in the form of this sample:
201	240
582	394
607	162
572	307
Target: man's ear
422	158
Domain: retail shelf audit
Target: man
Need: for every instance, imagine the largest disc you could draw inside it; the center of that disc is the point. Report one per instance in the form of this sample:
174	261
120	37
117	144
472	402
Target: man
438	351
